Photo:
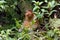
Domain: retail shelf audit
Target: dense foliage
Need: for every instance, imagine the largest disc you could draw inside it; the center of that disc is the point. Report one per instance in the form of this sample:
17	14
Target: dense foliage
11	20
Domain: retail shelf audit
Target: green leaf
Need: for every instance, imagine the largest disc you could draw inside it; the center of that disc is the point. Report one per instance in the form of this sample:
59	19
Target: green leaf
1	2
52	12
50	33
36	8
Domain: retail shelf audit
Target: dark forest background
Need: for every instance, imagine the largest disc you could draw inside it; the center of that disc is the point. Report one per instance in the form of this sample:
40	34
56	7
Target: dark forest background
12	16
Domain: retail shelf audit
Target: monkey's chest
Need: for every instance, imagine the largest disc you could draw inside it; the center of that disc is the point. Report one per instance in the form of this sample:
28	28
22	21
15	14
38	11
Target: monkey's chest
29	24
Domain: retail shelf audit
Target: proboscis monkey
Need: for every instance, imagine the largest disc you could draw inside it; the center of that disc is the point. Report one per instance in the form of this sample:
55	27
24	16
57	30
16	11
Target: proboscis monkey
30	20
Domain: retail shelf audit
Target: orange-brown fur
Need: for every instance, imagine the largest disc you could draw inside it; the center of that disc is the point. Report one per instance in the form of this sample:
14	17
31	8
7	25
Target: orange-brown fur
29	16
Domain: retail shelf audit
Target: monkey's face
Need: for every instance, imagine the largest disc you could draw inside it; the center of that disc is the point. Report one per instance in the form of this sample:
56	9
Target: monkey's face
29	14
